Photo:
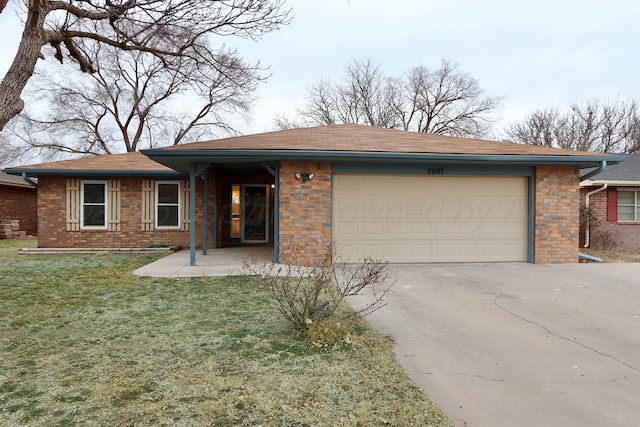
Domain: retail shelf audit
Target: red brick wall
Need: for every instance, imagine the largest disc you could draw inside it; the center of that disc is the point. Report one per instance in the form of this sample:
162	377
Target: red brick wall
557	206
20	203
604	232
52	229
305	209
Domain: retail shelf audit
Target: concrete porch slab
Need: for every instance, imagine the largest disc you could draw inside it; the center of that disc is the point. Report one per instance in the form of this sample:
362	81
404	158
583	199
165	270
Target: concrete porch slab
217	262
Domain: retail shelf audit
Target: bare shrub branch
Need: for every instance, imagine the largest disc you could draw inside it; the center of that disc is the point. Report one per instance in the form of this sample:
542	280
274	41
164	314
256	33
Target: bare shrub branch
308	290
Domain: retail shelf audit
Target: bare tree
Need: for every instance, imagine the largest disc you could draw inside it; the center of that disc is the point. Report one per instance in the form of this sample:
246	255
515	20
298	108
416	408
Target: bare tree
361	98
588	126
133	25
443	101
283	122
446	101
133	100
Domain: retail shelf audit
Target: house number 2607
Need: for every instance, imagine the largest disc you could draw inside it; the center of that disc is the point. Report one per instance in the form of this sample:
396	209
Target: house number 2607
435	171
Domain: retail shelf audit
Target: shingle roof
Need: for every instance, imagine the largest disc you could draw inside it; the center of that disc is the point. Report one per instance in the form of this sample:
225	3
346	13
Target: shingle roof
125	163
349	137
13	181
329	141
629	170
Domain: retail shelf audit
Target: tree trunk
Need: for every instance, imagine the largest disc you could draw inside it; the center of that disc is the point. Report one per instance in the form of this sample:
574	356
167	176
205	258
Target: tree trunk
33	37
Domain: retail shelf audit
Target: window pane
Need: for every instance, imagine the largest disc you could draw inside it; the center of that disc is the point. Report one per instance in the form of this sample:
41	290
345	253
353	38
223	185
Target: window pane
167	216
94	193
625	213
626	197
94	215
168	194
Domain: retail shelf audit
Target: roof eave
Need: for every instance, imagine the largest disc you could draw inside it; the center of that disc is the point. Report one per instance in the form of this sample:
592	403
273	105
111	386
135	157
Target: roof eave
92	172
165	157
610	182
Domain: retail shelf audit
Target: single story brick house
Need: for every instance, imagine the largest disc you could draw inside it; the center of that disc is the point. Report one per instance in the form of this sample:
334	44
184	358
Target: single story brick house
613	197
18	201
402	196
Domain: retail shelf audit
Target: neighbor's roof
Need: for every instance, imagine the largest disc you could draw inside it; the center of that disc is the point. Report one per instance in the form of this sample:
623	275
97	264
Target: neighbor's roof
13	181
625	173
115	164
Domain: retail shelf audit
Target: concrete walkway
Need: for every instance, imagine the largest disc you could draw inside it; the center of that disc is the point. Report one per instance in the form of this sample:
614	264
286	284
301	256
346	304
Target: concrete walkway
217	262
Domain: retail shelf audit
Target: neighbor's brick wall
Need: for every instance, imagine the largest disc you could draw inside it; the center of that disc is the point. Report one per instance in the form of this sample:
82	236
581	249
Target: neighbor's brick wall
52	230
20	203
557	206
627	234
305	208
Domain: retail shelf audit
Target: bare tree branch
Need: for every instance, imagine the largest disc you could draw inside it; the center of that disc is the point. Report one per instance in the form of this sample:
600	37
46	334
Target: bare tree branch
588	126
137	100
443	101
133	25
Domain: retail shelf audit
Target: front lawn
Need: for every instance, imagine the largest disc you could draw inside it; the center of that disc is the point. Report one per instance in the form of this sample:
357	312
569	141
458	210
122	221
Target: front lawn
84	342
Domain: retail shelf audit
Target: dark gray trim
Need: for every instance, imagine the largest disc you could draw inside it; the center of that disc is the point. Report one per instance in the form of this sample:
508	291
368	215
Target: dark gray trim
603	165
29	180
428	168
205	214
317	155
531	220
192	213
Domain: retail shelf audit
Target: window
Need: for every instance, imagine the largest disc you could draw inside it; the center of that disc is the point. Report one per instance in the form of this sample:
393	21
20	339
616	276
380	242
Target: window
167	204
628	208
94	204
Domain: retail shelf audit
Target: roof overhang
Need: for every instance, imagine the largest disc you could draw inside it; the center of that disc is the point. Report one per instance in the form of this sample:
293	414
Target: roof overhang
609	182
181	159
93	173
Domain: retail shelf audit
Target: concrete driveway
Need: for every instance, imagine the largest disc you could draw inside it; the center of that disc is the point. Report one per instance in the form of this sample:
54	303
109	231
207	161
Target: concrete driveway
520	344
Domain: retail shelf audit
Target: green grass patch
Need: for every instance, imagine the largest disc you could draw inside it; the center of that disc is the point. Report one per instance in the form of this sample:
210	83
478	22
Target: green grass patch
84	342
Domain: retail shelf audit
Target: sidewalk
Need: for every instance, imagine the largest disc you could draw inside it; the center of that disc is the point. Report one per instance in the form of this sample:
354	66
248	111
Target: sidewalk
217	262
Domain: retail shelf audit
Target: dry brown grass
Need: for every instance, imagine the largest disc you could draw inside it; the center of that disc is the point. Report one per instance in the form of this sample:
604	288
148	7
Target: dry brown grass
614	255
83	342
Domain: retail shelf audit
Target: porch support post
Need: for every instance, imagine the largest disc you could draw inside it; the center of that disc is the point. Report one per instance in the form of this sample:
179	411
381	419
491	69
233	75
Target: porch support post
276	214
205	209
215	213
192	213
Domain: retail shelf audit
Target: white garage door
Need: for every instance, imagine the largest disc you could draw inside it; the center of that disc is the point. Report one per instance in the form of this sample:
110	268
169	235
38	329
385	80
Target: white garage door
407	218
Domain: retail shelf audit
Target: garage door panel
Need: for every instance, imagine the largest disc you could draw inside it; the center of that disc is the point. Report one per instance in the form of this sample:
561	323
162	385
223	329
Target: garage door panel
405	218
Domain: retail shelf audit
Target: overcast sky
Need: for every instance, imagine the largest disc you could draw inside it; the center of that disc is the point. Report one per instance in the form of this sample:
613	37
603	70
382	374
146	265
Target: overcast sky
535	54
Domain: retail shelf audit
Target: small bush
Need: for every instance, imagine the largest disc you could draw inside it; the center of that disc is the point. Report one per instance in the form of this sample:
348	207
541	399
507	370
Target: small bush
308	291
329	333
605	240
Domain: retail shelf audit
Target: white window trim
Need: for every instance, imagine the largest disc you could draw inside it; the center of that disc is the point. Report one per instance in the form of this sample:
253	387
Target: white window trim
155	206
635	206
106	206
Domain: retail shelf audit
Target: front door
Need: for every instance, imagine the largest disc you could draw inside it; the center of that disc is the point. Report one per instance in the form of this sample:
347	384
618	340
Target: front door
254	213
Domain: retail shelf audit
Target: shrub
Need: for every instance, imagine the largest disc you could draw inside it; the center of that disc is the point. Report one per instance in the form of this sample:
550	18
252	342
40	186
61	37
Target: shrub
605	240
308	290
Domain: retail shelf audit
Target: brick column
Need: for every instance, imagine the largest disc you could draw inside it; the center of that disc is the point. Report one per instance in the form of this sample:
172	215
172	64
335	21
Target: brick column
305	210
557	212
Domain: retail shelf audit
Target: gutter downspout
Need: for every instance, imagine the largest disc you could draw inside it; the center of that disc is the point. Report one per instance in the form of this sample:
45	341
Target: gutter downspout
29	180
603	165
587	204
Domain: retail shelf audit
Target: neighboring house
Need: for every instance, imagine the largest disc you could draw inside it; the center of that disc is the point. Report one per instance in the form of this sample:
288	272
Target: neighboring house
613	197
403	196
18	201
